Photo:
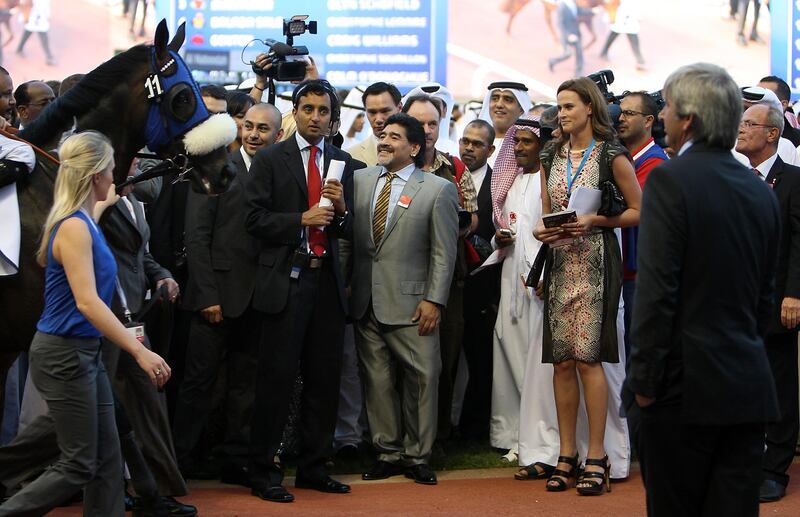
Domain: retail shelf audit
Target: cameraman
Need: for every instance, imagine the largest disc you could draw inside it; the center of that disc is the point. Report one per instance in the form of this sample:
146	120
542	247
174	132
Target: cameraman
263	63
638	114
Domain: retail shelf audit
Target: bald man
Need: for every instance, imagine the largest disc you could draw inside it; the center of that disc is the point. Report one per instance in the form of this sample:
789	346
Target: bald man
223	259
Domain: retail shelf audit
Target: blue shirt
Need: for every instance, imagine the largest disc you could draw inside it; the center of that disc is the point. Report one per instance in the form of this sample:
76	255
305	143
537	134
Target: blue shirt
61	316
398	184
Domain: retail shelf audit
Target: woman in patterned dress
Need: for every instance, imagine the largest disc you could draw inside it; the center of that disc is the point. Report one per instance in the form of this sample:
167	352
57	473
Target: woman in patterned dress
583	278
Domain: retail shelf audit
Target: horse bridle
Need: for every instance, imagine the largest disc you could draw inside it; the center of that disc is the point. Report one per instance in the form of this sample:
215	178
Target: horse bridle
163	125
179	162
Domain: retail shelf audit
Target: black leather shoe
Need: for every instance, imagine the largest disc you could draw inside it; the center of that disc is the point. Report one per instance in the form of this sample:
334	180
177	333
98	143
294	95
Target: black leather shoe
326	484
771	491
382	470
176	508
276	494
422	474
143	507
233	475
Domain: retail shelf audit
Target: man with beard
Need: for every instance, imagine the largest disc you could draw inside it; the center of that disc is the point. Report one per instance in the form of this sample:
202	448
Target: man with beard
503	104
638	113
223	259
516	187
32	98
381	101
404	247
8	103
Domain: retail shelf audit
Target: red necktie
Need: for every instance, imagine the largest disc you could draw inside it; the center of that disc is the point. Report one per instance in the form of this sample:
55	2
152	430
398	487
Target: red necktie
758	173
317	241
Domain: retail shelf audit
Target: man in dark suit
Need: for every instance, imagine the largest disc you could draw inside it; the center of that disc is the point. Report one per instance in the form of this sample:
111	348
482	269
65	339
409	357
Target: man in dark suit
223	260
759	133
299	291
482	290
708	240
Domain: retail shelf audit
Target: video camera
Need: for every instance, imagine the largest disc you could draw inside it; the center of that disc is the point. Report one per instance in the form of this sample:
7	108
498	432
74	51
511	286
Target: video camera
287	62
603	79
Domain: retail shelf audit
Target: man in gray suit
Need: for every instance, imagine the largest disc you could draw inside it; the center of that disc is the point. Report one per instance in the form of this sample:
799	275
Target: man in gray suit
404	245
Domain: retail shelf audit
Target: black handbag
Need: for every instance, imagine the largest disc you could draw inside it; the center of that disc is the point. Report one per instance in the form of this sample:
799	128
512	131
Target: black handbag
612	202
538	266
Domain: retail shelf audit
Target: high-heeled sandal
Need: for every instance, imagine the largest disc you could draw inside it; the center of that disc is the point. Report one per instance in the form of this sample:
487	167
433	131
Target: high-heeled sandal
589	478
529	472
560	480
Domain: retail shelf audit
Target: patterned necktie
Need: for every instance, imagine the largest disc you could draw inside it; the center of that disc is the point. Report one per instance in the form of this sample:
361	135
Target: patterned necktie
381	209
317	242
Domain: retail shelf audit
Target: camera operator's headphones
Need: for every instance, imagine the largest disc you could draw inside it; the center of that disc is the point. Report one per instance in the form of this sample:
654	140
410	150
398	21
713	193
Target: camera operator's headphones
336	111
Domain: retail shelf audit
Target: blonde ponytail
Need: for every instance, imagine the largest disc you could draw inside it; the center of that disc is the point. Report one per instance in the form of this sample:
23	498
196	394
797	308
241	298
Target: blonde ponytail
82	156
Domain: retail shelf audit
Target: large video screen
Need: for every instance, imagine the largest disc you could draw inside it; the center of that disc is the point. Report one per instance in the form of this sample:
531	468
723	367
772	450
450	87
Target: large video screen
357	41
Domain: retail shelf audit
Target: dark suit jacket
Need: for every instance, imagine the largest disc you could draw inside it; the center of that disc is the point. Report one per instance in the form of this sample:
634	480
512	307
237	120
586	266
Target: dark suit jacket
785	181
137	270
790	133
708	241
483	289
221	254
275	203
485	223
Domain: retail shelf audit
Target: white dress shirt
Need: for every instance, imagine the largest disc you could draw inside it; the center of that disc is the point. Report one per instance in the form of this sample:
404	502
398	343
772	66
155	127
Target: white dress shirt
764	167
305	154
478	176
247	159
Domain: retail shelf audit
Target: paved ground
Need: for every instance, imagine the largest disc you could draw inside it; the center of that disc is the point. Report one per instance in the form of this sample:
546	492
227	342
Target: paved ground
83	34
673	33
464	492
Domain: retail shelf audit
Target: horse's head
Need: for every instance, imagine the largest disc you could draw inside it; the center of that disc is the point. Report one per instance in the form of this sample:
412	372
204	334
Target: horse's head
179	128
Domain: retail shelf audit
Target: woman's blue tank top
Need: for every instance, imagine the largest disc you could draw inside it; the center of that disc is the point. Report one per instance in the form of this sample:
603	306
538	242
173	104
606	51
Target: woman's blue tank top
61	316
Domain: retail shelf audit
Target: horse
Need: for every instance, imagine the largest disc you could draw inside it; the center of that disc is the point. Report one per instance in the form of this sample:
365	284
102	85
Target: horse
144	96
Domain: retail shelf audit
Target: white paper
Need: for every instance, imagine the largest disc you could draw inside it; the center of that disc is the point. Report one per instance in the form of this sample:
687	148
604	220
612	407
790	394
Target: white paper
335	171
585	201
496	257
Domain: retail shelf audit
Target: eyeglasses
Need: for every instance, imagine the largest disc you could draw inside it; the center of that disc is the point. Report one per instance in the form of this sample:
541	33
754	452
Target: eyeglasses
749	125
631	113
40	104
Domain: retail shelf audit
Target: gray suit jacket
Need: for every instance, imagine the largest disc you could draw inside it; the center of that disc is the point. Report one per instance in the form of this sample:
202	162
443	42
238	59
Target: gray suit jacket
365	151
415	259
137	270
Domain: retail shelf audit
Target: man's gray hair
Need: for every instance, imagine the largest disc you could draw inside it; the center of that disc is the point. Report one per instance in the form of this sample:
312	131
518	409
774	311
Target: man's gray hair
775	118
711	95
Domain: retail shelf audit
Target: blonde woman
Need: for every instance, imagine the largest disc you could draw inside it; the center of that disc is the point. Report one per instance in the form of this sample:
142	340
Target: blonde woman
65	363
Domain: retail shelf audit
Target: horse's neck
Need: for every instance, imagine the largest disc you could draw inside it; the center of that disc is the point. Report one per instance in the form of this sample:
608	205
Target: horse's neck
118	130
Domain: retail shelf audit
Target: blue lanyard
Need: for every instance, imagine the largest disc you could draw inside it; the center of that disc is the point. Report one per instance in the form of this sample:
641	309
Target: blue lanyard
570	178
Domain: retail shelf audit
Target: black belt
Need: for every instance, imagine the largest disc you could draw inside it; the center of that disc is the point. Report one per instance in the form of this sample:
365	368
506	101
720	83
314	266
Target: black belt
315	262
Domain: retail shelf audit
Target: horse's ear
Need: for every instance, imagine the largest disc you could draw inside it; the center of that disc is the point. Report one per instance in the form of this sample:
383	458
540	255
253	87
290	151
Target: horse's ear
177	40
160	41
